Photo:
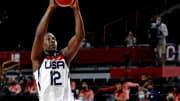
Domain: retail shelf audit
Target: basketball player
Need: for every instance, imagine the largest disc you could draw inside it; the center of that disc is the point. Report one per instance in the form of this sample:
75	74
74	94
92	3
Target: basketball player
50	67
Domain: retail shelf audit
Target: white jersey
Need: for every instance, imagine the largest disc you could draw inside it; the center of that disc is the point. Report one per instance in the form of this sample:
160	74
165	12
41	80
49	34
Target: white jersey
53	81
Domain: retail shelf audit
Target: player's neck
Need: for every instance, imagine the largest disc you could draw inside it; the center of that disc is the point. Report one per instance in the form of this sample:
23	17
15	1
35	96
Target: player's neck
50	53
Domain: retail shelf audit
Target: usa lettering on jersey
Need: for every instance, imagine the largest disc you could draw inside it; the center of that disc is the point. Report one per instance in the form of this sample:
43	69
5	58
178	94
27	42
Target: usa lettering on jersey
54	64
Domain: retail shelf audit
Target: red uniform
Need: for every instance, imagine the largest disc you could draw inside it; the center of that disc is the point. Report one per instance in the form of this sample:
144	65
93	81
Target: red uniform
15	88
87	95
125	90
31	88
176	96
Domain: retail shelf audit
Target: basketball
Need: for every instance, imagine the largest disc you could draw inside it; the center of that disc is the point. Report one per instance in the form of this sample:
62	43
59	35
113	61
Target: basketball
64	3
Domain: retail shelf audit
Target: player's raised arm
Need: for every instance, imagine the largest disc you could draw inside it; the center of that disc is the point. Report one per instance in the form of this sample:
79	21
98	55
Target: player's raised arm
74	44
41	30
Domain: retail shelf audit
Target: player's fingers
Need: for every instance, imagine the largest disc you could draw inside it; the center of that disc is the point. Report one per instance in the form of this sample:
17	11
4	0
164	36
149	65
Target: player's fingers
74	4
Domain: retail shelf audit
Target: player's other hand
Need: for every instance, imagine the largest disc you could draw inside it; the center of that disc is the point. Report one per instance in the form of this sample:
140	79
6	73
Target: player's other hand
75	4
52	4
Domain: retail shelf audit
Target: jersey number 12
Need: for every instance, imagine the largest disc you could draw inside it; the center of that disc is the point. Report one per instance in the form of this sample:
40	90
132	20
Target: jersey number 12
55	75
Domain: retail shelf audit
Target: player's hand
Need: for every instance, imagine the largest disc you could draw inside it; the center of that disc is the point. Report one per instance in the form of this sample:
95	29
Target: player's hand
52	4
75	4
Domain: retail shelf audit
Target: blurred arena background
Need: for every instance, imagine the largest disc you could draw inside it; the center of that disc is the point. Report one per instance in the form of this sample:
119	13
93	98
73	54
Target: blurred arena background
106	60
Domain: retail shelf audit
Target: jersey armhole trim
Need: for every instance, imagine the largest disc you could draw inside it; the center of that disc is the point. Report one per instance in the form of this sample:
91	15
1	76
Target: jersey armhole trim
63	56
38	69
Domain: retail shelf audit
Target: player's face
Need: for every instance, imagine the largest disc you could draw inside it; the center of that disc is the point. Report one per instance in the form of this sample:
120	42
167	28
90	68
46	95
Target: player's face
50	43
